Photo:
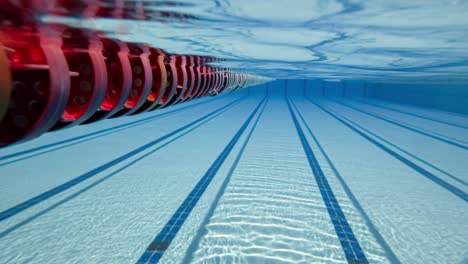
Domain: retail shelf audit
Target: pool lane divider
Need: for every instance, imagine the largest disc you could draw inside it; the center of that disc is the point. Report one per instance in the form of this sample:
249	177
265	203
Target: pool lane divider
97	134
380	239
69	184
412	114
352	250
161	242
416	130
31	218
442	183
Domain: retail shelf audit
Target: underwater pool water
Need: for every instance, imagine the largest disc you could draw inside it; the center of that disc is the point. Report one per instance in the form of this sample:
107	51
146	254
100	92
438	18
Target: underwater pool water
385	41
356	153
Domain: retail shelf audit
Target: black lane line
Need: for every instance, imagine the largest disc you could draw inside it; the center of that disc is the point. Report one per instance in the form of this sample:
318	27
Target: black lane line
412	114
94	184
453	177
202	230
65	186
423	131
351	248
447	186
388	250
161	242
96	134
419	131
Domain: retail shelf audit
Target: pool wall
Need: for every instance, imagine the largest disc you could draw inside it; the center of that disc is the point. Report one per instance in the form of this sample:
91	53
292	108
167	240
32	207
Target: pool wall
446	97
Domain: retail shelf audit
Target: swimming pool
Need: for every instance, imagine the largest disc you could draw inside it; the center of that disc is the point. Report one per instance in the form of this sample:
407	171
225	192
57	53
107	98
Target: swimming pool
260	178
355	153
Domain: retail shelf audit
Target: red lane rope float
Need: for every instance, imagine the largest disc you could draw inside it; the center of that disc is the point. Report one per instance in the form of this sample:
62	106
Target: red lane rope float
181	80
55	76
40	83
5	81
88	76
119	82
142	78
197	82
190	79
199	69
159	81
171	71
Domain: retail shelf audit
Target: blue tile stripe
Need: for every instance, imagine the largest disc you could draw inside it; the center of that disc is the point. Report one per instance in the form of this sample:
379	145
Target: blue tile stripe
33	217
419	131
349	243
65	186
447	186
380	239
453	177
161	242
202	230
95	134
413	114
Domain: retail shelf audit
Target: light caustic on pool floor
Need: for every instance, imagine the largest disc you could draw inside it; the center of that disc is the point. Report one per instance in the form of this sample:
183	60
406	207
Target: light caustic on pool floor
272	209
309	181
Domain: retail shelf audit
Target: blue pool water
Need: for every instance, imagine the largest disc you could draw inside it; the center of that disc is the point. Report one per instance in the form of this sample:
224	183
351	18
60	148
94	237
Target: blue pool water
250	177
357	152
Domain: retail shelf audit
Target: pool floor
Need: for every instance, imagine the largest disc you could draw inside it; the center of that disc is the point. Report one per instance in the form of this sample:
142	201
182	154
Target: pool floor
243	178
